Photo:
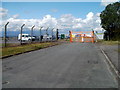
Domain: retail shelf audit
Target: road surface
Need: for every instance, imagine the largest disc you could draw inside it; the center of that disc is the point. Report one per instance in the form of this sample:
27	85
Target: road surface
71	65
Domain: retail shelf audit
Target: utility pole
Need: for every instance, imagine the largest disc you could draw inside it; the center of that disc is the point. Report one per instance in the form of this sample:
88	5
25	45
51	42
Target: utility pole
5	33
21	34
32	32
40	34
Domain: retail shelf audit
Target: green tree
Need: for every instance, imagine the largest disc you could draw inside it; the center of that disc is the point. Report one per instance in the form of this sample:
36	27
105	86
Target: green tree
110	20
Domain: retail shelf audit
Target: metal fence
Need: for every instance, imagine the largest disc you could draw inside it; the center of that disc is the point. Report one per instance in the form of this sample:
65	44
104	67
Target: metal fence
83	36
21	37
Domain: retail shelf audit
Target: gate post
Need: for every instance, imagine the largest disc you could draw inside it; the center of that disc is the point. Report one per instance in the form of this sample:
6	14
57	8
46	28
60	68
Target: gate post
70	36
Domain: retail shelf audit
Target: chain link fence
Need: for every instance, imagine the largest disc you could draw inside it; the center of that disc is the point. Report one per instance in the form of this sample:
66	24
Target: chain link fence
23	36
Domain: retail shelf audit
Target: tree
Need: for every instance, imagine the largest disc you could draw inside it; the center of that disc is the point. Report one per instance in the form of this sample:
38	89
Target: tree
110	20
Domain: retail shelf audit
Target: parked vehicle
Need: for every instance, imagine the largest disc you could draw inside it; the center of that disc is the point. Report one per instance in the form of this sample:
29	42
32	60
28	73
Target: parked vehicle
25	37
36	38
47	37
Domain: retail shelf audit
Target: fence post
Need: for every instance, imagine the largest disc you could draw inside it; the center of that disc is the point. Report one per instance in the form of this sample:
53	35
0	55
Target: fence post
21	34
47	31
5	33
52	34
40	34
57	34
32	32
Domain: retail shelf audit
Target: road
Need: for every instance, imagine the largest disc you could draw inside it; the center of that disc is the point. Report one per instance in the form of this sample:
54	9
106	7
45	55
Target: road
71	65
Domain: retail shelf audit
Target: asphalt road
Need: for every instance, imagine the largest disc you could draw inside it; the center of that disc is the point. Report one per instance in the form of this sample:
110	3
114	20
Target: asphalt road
112	52
75	65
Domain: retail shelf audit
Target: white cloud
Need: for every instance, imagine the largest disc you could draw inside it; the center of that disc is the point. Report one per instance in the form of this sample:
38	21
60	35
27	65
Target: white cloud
90	15
3	13
15	24
48	21
15	16
65	22
106	2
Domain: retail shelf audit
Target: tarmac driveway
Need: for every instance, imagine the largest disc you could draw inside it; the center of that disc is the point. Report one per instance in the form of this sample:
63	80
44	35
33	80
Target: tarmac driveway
71	65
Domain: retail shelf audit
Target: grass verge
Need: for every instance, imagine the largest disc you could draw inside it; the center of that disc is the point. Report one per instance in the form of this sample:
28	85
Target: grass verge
108	42
119	50
9	51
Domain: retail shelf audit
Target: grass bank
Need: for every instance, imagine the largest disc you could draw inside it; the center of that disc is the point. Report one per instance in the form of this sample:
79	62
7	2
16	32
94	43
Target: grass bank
9	51
9	44
102	42
118	50
109	42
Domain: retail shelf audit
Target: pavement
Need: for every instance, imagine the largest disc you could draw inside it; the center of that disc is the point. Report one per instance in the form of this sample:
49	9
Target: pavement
70	65
112	53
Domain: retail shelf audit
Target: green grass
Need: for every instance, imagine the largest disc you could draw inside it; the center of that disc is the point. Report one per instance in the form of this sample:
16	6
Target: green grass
119	50
0	44
99	33
9	44
66	40
24	48
111	42
108	42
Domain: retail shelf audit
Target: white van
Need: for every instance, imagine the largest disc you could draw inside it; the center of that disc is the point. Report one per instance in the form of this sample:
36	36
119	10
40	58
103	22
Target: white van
25	37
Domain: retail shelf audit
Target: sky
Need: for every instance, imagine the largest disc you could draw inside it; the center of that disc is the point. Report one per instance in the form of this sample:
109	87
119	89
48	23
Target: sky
37	10
65	16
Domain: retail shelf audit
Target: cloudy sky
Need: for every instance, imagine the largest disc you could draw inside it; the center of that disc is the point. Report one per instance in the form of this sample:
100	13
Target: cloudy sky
65	16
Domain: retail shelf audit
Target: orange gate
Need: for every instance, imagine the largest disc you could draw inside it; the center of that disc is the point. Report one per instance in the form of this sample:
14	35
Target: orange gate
82	36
